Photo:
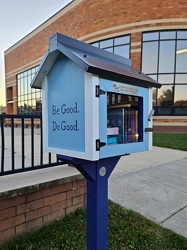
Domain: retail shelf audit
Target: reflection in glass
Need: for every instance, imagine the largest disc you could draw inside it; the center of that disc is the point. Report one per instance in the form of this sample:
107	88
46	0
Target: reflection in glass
164	110
109	49
29	79
181	78
165	95
180	98
153	77
19	108
21	98
150	57
150	36
111	45
182	34
95	45
181	110
154	96
38	94
166	78
34	105
33	95
166	56
26	95
181	58
122	50
106	43
172	69
25	91
38	104
33	70
167	35
33	90
121	40
21	86
19	91
29	106
25	107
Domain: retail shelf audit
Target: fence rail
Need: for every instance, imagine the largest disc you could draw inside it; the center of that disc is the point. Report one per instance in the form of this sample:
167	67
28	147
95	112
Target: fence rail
21	147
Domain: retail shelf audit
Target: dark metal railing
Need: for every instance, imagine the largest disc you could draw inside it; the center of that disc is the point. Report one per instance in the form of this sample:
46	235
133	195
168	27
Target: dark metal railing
23	133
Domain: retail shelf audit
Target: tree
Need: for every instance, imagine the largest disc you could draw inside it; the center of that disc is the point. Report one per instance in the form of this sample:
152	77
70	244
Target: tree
181	103
166	98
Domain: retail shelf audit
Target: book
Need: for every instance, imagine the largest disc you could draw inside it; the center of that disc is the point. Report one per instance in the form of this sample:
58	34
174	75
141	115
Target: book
122	125
113	131
111	140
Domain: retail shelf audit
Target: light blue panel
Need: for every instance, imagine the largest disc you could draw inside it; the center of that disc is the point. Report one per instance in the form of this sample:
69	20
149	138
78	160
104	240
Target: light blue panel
145	95
121	149
66	106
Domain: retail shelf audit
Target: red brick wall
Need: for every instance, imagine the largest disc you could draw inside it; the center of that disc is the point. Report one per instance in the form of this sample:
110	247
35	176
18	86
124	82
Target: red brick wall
89	21
170	129
30	211
169	125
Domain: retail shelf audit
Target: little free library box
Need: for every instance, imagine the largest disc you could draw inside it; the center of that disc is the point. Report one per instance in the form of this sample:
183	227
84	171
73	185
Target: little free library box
95	105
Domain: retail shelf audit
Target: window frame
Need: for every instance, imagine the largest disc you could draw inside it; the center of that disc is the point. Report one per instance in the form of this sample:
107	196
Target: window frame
25	94
177	36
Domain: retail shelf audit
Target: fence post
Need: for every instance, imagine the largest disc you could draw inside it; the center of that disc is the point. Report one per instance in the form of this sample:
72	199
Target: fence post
2	143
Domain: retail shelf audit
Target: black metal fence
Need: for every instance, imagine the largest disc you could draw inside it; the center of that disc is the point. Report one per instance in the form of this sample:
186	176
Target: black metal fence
21	147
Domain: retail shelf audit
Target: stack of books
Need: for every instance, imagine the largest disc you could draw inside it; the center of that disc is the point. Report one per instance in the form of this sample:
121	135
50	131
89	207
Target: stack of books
122	125
112	133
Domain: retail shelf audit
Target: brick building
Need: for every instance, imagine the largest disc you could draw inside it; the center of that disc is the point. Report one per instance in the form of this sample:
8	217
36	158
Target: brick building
153	35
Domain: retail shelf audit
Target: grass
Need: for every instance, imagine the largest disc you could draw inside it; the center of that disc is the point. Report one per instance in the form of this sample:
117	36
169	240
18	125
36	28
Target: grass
127	230
174	141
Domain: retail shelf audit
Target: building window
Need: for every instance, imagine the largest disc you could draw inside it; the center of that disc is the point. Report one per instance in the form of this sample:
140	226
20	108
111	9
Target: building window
29	99
164	58
117	45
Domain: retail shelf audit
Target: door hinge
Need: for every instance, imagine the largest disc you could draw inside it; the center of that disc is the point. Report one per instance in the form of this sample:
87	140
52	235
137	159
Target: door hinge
99	144
99	91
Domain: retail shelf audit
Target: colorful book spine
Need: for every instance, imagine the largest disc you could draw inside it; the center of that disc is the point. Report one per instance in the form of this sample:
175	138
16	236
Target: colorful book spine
136	128
126	126
131	125
122	125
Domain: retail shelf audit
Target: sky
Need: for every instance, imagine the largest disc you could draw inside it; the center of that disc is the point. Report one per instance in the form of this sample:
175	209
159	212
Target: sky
17	19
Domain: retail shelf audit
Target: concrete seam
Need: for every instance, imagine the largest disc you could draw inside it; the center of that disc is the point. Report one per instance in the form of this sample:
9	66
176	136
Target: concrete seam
162	183
173	214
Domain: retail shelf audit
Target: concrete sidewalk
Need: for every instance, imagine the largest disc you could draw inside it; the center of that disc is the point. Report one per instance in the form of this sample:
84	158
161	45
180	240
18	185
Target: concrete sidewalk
154	184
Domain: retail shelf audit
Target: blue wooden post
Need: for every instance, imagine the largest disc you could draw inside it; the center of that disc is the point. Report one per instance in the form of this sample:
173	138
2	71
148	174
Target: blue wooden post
97	174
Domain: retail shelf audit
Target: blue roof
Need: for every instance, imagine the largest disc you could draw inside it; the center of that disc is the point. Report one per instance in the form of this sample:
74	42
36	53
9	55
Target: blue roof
93	60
